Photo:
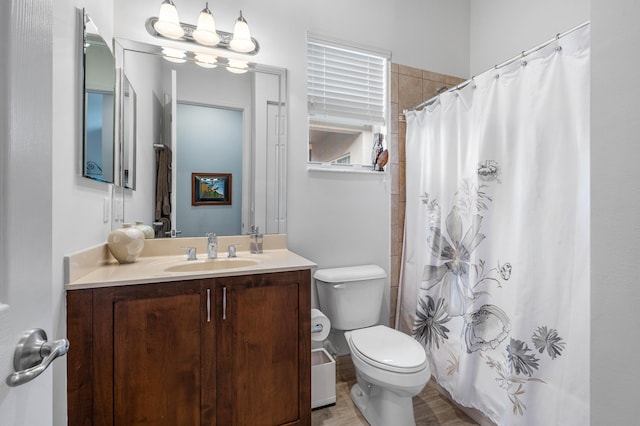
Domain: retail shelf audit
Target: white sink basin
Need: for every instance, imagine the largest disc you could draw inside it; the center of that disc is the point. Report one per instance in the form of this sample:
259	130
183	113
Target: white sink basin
211	265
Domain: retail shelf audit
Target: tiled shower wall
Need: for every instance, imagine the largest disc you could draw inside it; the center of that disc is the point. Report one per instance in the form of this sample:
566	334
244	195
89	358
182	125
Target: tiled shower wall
409	87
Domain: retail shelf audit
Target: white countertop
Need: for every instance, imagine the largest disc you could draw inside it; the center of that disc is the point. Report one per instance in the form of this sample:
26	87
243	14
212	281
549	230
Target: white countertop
95	267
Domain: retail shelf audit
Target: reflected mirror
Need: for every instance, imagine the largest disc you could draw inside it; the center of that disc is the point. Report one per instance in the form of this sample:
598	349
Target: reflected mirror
98	93
128	112
198	115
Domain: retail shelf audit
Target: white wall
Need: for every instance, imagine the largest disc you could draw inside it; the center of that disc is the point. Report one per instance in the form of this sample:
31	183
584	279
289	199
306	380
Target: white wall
615	207
77	202
430	34
501	29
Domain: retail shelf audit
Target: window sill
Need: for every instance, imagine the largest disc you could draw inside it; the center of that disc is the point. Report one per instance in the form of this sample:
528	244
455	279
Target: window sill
351	168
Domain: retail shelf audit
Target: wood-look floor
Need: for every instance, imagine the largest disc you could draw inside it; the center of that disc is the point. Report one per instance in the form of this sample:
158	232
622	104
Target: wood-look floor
430	407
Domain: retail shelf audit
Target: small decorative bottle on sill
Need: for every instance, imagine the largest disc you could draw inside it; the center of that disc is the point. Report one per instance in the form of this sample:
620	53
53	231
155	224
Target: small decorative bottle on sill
380	155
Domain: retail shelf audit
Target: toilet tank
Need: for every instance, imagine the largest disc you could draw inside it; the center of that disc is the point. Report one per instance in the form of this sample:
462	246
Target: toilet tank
351	296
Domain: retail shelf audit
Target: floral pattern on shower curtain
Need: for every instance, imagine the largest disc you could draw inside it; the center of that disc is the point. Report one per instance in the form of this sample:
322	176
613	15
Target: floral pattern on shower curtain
495	272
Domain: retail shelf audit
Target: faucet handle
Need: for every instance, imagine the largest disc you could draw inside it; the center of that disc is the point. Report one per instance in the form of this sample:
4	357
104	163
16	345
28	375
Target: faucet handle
173	233
191	253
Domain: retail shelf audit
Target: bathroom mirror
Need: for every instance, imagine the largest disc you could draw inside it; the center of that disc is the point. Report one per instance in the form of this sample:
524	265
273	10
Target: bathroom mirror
98	85
200	115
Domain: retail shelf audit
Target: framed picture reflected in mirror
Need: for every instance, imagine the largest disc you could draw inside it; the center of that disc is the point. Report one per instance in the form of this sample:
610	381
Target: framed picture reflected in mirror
210	189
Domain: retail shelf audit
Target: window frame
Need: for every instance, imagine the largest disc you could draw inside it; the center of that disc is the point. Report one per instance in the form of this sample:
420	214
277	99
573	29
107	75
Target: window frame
336	119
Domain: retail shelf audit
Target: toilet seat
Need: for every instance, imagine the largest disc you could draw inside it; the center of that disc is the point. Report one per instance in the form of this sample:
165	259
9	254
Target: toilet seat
388	349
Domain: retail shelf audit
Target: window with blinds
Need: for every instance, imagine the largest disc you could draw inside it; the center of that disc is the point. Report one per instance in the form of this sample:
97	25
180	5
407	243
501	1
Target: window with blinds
347	98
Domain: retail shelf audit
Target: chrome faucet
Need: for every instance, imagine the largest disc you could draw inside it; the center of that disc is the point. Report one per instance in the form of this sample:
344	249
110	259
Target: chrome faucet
232	250
212	245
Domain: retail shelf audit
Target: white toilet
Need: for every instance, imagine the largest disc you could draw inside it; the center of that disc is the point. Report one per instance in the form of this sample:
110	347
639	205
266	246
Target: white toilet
391	367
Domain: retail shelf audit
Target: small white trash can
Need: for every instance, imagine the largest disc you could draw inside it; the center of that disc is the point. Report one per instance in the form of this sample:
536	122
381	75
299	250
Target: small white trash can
323	378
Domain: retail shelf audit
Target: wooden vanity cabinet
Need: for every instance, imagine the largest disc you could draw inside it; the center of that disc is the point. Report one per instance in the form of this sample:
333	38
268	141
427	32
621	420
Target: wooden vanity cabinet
223	351
260	360
142	354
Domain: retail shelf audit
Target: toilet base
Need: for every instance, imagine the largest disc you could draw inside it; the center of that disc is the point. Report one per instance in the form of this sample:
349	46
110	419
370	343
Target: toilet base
381	407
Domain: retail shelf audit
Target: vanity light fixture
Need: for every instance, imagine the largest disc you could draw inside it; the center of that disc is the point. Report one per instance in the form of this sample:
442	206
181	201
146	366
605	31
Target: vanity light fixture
205	33
167	25
241	41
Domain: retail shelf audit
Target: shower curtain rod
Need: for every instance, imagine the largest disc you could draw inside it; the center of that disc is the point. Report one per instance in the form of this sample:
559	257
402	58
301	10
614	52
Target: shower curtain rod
524	54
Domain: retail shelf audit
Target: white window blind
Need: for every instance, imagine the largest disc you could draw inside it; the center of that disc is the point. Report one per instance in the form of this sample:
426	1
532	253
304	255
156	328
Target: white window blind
344	83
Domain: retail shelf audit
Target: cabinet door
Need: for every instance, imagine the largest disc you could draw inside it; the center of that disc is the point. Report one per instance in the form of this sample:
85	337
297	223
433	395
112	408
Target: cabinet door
263	342
153	355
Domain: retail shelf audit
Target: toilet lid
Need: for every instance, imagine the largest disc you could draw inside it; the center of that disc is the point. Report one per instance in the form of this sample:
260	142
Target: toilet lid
389	349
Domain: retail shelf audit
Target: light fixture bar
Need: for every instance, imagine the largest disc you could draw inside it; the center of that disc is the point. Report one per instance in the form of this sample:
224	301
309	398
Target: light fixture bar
225	37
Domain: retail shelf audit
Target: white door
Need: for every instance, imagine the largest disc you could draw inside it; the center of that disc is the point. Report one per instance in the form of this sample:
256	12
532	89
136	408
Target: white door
25	200
276	216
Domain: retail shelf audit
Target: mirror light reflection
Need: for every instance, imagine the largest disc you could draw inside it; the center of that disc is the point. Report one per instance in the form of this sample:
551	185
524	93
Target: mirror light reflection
225	123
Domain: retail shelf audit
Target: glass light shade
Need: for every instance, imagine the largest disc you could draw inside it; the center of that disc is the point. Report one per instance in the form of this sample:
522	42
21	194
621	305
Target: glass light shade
241	41
168	23
174	55
206	33
206	61
237	66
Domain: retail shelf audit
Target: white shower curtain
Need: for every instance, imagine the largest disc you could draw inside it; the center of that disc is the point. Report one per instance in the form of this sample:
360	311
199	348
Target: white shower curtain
495	272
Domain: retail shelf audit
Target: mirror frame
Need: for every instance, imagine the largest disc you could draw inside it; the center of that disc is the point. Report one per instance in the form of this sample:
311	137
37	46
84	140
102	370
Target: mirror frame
123	45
